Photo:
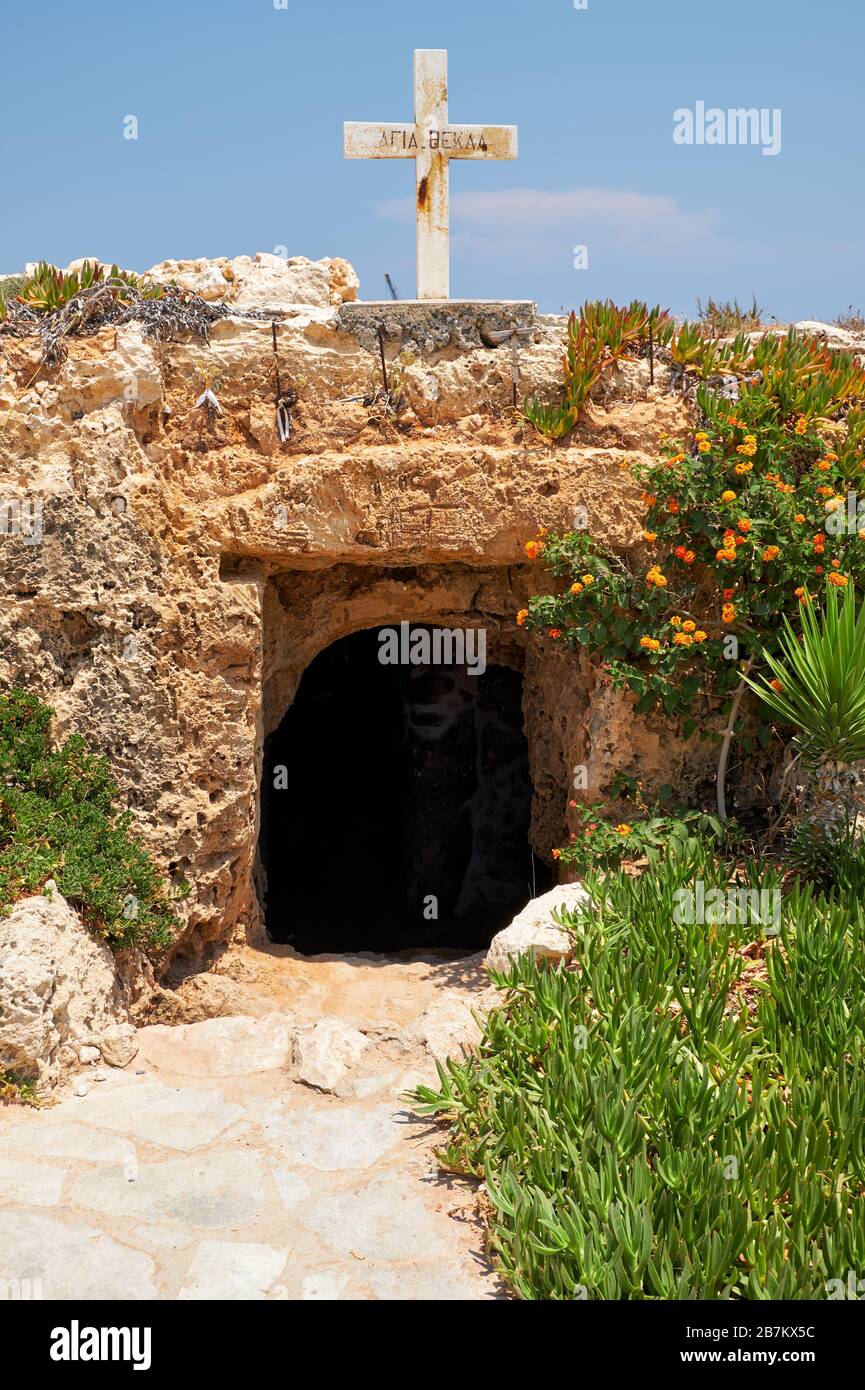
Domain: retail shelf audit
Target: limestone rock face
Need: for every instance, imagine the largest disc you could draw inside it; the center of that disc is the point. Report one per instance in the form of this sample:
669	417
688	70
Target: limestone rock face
533	930
263	281
189	568
58	988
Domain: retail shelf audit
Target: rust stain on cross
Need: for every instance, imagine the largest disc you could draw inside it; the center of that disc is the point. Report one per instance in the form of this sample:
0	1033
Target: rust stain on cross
432	142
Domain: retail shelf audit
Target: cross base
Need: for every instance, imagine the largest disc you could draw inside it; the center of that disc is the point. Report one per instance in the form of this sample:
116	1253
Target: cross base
430	325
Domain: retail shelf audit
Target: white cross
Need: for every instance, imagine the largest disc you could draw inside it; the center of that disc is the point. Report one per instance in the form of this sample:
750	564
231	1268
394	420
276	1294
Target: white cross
432	142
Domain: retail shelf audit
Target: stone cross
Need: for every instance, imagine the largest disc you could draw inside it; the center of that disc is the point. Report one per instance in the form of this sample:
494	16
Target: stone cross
432	142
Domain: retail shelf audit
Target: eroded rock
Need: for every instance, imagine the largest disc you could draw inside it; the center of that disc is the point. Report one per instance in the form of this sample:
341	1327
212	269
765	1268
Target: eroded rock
58	988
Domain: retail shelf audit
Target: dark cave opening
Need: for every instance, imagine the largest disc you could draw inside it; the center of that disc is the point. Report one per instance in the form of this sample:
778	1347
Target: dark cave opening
396	805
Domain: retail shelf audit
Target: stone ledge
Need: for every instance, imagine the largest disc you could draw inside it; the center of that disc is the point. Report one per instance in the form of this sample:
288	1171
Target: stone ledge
430	325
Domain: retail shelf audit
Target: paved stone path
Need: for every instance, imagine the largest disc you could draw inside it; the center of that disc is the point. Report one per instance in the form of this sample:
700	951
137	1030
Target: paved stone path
207	1170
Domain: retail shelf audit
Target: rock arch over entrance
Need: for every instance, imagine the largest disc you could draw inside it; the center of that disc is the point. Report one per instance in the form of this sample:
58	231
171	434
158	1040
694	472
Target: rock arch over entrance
464	805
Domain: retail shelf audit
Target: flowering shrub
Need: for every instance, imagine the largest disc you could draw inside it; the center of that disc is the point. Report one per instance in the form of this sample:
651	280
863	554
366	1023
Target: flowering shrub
735	535
598	843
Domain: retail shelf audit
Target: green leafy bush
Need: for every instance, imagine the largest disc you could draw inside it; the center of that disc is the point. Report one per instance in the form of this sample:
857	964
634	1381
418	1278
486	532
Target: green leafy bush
48	288
10	286
600	841
681	1114
59	820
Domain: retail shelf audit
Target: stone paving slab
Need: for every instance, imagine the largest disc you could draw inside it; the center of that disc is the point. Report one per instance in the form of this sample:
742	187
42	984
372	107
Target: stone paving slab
192	1176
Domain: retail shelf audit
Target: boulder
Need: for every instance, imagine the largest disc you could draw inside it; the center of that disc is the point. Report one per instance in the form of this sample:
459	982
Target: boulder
534	931
119	1044
323	1055
344	282
58	988
447	1027
264	281
842	339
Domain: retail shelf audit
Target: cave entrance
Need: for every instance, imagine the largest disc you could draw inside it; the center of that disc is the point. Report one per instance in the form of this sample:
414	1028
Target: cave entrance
395	806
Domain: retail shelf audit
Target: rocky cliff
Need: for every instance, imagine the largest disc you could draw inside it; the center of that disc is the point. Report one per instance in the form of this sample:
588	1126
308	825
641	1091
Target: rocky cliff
171	565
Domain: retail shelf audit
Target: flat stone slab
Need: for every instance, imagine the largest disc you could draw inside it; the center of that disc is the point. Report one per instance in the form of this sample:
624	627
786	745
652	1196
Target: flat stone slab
222	1269
233	1046
64	1139
430	325
31	1184
383	1220
171	1117
72	1261
221	1188
331	1138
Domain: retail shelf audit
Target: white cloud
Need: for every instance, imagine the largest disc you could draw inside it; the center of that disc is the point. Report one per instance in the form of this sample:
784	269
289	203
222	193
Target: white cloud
509	217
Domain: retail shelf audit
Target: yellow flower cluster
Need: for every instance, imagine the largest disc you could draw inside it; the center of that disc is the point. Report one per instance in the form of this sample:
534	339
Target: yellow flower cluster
748	447
655	579
650	644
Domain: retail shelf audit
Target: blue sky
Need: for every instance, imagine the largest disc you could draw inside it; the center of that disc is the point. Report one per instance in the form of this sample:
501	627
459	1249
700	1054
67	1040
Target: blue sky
240	108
